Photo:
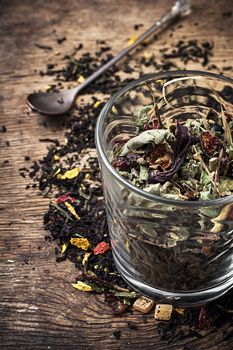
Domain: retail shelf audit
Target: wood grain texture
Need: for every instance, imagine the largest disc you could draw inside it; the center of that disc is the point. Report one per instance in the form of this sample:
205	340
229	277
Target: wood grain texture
39	308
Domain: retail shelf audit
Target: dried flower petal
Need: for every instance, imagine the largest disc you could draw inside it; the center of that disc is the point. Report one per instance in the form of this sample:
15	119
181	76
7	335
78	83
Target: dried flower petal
161	156
203	320
81	243
101	248
96	104
180	148
120	164
69	174
85	258
210	143
132	39
72	210
65	197
64	247
81	79
82	286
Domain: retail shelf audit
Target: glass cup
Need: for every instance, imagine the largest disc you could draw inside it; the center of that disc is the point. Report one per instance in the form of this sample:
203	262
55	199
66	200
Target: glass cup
169	250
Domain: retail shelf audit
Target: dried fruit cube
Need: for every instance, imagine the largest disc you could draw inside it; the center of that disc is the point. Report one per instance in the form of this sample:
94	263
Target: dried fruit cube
143	304
163	312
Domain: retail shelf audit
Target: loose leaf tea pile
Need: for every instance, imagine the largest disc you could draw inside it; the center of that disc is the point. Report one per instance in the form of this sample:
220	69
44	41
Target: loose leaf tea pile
69	175
189	159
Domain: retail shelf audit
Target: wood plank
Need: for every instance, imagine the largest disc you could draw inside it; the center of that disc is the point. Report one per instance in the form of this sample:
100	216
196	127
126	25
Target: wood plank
39	307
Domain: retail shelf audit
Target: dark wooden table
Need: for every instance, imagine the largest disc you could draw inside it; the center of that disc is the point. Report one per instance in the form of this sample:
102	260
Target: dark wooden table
39	307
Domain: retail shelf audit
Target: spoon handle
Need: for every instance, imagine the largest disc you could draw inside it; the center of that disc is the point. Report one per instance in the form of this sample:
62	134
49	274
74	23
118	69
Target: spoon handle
180	8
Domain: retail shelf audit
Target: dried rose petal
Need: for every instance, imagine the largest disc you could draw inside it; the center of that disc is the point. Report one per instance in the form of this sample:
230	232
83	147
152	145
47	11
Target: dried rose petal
154	124
180	148
121	164
101	248
210	143
65	197
161	156
203	320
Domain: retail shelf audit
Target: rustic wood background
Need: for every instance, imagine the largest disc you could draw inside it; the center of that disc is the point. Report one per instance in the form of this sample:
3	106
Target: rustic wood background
39	307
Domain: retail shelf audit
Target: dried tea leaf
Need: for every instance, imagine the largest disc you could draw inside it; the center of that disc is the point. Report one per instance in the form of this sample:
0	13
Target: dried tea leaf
72	210
142	116
226	128
130	295
62	211
143	175
81	243
118	308
82	286
155	136
225	185
154	188
69	174
205	178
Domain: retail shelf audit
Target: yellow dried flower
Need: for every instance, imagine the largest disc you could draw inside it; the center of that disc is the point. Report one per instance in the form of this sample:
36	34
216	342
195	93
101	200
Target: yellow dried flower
85	258
56	157
57	172
180	310
87	176
69	174
48	88
132	39
64	247
81	79
97	103
82	286
81	243
72	210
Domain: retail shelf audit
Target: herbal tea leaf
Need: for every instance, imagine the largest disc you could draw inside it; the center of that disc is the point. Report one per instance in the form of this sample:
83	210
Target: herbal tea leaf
142	116
149	136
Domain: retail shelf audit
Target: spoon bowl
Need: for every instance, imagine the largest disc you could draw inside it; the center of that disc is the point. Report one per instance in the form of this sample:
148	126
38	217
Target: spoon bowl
52	103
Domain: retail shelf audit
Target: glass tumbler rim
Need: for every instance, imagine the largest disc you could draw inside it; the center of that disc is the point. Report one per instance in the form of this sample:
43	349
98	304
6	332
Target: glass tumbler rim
103	157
